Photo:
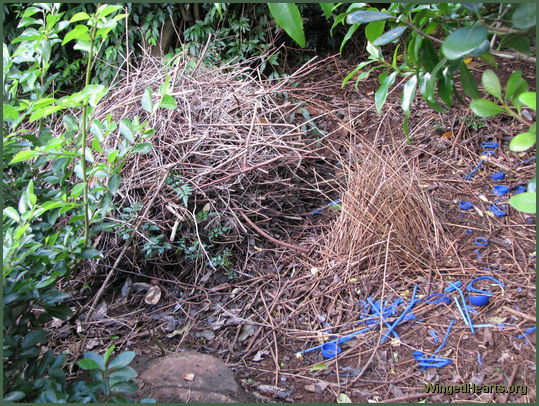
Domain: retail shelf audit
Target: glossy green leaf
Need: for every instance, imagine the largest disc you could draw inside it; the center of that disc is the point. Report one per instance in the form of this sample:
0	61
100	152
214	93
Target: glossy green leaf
532	184
108	352
374	30
142	148
123	359
364	16
469	86
81	16
122	375
518	42
9	112
77	190
523	141
288	17
90	253
428	56
529	99
408	93
464	41
96	145
355	71
524	16
88	364
525	202
114	183
351	30
491	83
126	129
105	10
485	108
327	8
380	95
168	102
390	35
146	101
12	214
80	32
23	156
513	84
128	388
14	396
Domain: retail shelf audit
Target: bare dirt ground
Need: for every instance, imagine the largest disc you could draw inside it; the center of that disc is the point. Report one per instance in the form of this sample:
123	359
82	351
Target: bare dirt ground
284	300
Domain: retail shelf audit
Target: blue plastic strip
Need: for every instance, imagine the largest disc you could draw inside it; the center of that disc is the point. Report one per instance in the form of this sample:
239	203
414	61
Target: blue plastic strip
470	287
444	341
399	319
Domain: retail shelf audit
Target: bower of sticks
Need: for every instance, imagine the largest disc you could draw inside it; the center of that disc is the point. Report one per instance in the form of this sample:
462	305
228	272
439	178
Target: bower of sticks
261	161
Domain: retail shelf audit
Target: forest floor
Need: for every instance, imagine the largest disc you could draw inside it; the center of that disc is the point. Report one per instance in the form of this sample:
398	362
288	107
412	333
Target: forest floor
284	300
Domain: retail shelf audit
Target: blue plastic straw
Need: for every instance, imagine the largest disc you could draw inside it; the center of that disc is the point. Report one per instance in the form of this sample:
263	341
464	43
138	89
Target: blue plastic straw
404	313
445	337
337	341
334	202
378	312
465	308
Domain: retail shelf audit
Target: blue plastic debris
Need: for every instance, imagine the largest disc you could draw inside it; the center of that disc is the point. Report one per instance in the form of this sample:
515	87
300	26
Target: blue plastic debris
402	316
489	144
330	350
482	242
498	176
500	190
469	231
332	203
479	300
527	161
453	286
443	298
470	175
479	359
497	211
478	253
434	336
430	362
444	341
488	153
518	189
464	313
470	287
528	331
464	205
337	341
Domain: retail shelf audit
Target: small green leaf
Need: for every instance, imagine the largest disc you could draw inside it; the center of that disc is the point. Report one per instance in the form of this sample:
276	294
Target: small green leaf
408	93
109	351
122	360
351	30
80	32
374	30
390	35
522	142
126	129
491	83
12	214
96	145
380	95
361	17
105	10
468	82
81	16
142	148
525	202
343	398
128	388
524	16
327	8
529	99
168	102
88	364
319	367
122	375
9	113
77	190
90	253
532	184
14	396
23	156
464	42
146	101
288	17
114	183
485	108
513	84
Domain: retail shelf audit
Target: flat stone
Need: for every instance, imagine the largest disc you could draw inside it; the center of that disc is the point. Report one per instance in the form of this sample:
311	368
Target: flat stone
187	377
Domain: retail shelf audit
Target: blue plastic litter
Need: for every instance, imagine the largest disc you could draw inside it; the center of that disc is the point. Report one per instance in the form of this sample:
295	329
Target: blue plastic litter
500	190
469	231
402	316
478	253
465	313
482	242
330	350
518	189
332	203
528	331
444	341
430	362
434	336
498	176
376	308
497	211
337	340
479	359
464	205
442	298
479	300
527	161
489	144
488	153
470	287
453	286
470	175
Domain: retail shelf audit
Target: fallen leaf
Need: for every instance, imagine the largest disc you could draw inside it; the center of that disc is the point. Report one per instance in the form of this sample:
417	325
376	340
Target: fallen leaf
319	367
496	320
126	287
310	388
246	331
189	377
153	295
447	134
206	207
343	398
207	334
